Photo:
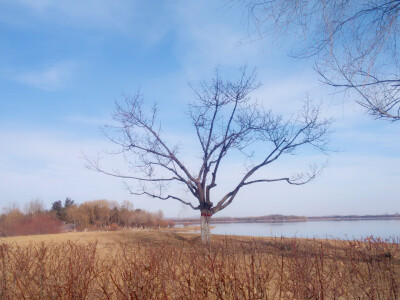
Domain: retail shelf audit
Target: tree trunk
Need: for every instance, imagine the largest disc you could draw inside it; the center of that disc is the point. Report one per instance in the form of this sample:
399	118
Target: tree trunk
205	228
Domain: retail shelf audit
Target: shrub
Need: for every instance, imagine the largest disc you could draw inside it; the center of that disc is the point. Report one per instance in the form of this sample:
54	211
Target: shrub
114	227
229	269
15	223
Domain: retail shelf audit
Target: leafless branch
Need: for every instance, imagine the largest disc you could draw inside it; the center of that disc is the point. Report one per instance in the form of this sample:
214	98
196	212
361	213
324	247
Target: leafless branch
225	120
354	43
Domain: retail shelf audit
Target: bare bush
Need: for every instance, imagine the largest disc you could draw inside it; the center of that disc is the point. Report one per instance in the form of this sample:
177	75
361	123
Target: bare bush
229	269
16	223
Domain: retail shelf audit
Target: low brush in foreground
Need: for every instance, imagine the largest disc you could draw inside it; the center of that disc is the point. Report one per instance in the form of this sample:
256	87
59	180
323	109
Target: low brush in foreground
152	265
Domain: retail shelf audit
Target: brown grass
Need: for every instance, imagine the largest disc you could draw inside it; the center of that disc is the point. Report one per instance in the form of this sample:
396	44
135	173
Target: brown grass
170	265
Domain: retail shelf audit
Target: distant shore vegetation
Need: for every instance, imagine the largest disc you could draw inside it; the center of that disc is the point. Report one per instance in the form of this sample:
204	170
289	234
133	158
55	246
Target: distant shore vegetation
68	216
277	218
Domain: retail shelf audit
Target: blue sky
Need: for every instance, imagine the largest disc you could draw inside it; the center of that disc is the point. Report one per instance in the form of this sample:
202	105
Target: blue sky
64	63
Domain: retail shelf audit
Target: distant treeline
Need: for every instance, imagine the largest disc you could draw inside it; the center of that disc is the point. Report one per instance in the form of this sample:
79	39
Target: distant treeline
91	215
106	214
395	216
261	219
291	218
16	222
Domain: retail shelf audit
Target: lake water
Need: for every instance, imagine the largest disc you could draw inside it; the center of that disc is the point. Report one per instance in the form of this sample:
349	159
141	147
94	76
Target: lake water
314	229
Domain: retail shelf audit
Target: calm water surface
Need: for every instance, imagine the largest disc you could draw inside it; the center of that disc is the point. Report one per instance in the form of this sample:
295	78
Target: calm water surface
315	229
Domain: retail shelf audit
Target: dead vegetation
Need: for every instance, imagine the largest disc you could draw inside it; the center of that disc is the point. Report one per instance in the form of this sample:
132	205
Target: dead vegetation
155	265
34	219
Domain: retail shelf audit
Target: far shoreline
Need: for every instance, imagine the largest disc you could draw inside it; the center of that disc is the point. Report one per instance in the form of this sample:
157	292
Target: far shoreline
286	219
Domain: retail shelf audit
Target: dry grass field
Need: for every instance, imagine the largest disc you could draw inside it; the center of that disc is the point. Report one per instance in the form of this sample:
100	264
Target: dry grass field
171	265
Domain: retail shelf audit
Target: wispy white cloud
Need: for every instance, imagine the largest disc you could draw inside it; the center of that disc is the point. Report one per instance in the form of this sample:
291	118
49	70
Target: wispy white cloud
37	5
48	78
49	165
92	13
351	184
203	41
95	121
147	22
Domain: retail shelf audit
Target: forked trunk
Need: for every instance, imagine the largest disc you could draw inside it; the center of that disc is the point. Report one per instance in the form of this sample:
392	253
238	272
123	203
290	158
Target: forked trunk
205	228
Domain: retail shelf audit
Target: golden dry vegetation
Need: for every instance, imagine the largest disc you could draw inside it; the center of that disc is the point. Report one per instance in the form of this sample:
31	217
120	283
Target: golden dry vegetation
171	265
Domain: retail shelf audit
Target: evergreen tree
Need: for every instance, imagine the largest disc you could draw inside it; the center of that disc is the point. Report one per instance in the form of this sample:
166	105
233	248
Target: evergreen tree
57	208
68	202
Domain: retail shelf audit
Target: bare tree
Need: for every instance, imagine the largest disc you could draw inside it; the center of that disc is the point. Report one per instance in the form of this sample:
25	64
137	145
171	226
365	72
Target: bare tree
354	43
34	207
224	119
